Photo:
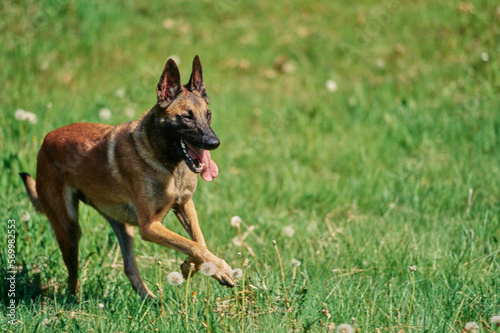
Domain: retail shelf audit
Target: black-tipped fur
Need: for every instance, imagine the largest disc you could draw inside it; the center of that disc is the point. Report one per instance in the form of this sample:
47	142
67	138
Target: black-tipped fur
30	185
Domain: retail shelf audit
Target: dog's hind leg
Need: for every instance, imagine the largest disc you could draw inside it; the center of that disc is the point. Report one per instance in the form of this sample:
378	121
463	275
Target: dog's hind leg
60	204
125	235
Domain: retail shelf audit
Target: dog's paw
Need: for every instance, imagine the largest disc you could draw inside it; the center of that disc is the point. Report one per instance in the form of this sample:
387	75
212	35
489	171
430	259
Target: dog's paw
223	273
190	265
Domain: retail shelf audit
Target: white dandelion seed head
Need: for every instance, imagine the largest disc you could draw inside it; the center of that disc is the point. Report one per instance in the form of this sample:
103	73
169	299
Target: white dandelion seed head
485	56
472	327
175	278
331	86
495	320
100	306
208	269
412	268
25	217
175	58
168	23
289	231
236	273
31	118
288	67
380	63
296	263
345	328
20	115
23	115
235	221
105	114
120	92
44	65
130	112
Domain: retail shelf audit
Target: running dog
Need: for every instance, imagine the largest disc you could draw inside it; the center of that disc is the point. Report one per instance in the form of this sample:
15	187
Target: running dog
133	174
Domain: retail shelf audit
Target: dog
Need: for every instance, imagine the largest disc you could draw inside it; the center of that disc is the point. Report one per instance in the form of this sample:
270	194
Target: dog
133	174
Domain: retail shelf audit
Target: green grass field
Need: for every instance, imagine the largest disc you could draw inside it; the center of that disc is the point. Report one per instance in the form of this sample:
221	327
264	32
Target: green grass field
363	137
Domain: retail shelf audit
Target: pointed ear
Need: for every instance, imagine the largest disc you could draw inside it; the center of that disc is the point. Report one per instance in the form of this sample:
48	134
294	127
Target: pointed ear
196	80
170	83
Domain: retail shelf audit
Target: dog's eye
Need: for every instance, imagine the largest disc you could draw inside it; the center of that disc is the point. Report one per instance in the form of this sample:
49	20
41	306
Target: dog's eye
209	115
188	115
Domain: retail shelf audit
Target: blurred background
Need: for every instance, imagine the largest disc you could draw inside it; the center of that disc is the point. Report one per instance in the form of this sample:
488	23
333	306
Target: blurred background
363	136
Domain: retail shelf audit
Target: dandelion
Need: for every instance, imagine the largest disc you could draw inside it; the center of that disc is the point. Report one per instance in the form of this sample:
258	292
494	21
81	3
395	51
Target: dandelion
465	7
270	74
472	327
413	269
44	65
495	320
235	221
31	117
25	217
175	58
380	63
288	67
345	328
168	23
289	231
105	114
244	64
330	327
236	274
175	278
100	306
326	313
485	56
331	86
296	263
129	112
208	269
23	115
120	92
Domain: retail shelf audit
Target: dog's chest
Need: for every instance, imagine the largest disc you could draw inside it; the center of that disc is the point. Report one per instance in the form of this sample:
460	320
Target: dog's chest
182	185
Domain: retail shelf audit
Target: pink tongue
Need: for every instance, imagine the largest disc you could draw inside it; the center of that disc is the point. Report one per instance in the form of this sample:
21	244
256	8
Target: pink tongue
210	170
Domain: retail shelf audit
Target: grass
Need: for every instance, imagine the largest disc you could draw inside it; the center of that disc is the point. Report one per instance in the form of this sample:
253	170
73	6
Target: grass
398	167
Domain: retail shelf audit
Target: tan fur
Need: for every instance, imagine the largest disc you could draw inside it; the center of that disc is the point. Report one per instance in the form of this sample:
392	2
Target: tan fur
121	171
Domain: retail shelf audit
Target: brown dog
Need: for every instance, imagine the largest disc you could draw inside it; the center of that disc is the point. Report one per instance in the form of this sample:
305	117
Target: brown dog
133	174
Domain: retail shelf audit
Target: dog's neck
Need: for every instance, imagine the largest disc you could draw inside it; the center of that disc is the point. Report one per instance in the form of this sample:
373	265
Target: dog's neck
154	146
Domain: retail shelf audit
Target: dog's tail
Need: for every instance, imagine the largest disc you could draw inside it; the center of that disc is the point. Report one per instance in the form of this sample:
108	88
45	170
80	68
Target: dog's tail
30	185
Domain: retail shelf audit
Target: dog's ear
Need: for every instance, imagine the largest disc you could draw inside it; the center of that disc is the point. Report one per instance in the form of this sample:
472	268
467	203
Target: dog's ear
170	83
196	80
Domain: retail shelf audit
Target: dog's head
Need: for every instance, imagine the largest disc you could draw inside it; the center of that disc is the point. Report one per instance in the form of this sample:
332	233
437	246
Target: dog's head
184	116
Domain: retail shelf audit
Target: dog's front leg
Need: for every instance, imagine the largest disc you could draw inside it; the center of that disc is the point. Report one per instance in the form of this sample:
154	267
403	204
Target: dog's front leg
186	214
152	230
